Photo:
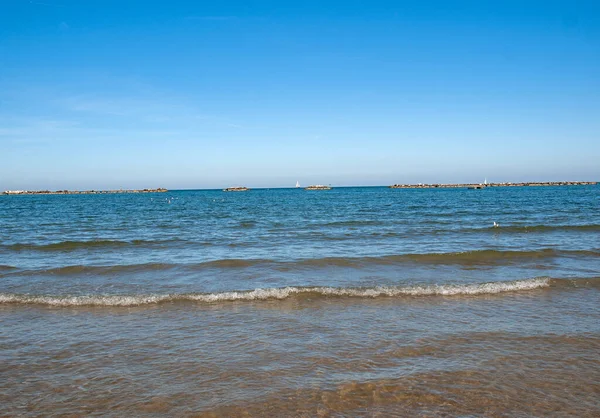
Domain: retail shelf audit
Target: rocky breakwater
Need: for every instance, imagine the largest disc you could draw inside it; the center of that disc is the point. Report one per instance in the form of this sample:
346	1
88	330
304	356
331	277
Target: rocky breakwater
485	185
550	183
318	187
236	189
432	186
26	192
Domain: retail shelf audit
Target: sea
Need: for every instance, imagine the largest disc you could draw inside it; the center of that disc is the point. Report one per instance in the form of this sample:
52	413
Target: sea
357	301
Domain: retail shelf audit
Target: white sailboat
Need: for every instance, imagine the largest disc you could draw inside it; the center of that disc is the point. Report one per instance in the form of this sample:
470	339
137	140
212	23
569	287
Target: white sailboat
297	184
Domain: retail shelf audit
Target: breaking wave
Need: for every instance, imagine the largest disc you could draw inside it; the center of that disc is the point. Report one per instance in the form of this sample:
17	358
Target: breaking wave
281	293
546	228
84	245
467	258
6	268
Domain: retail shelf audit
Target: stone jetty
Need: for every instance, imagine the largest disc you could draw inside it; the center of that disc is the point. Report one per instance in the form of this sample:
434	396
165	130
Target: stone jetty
318	187
21	192
485	185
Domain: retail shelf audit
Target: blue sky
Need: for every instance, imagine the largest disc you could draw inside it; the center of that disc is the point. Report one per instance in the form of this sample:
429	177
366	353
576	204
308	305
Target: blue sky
109	94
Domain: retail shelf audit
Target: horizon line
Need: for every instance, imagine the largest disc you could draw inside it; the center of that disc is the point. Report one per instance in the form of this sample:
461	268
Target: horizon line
406	185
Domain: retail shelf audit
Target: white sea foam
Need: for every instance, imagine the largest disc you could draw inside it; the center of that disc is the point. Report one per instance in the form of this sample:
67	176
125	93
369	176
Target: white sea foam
279	294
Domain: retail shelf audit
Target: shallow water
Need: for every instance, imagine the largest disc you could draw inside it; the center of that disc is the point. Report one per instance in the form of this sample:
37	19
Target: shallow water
354	301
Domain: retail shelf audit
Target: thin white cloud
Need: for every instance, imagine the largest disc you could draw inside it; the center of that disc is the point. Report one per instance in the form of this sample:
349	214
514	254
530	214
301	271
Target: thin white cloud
27	130
143	107
214	18
132	117
163	111
39	3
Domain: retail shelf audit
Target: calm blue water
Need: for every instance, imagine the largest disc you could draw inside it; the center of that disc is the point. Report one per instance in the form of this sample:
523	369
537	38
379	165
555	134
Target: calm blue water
350	301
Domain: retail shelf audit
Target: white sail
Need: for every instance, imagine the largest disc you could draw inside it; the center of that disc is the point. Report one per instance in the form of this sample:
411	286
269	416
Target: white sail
297	184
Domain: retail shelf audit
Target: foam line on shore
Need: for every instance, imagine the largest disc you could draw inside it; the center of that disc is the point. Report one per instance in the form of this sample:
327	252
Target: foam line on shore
262	294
